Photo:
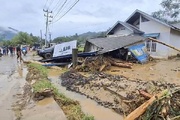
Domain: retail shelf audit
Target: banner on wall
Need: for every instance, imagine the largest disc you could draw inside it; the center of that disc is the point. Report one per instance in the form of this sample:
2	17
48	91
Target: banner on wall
64	48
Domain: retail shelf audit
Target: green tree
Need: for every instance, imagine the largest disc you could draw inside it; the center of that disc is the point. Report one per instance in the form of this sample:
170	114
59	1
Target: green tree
23	39
61	39
170	12
35	39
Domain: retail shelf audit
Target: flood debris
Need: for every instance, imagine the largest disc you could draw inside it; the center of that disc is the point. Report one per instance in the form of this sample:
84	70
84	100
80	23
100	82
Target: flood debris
154	99
101	63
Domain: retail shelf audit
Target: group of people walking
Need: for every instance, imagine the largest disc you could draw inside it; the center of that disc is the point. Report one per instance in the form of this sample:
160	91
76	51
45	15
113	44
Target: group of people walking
7	50
4	51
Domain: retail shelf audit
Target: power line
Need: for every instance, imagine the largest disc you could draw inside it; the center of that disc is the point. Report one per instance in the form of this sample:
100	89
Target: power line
67	11
64	8
56	6
60	9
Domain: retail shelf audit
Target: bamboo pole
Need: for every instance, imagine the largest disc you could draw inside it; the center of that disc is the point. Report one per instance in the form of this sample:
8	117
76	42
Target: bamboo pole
155	40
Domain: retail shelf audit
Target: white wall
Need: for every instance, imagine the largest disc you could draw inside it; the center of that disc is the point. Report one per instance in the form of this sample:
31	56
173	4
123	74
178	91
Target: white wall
90	47
119	32
174	41
155	27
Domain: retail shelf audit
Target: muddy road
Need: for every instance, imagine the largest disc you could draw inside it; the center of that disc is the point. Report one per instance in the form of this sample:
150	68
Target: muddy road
12	80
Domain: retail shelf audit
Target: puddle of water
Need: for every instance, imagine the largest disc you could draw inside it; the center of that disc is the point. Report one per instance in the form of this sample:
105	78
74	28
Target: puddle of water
88	106
45	101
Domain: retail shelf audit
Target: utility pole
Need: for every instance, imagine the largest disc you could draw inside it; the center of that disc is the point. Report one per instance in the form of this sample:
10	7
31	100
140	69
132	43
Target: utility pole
41	38
50	37
47	12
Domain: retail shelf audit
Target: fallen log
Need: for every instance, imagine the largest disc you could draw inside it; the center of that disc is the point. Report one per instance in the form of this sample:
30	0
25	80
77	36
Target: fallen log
124	65
145	94
158	41
119	61
141	109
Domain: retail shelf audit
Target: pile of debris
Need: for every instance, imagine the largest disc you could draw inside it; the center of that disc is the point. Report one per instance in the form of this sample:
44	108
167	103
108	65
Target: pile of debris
125	96
100	63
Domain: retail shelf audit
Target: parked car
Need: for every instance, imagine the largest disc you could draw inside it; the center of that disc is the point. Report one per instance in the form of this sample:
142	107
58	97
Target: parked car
46	53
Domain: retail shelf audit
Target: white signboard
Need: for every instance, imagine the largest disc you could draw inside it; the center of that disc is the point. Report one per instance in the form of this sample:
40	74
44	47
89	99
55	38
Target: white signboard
64	48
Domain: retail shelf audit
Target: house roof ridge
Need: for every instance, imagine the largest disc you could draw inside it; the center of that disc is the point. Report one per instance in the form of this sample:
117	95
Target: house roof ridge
151	17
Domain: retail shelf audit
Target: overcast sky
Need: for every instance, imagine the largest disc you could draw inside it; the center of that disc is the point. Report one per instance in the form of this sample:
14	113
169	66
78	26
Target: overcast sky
86	15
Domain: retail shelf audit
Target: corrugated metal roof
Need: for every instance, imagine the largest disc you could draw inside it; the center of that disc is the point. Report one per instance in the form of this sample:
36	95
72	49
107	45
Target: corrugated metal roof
112	43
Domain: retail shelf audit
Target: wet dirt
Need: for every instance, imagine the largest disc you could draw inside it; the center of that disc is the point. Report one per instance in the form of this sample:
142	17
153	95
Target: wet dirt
159	70
46	109
88	106
115	92
45	101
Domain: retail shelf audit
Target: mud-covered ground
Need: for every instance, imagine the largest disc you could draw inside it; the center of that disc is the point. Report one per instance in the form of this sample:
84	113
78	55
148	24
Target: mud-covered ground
158	70
116	92
12	81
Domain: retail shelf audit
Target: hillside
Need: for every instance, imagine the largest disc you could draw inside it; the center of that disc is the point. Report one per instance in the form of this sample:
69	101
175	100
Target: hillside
81	38
7	33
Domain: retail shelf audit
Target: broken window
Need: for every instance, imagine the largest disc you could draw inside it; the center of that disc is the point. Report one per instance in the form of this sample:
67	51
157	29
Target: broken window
151	46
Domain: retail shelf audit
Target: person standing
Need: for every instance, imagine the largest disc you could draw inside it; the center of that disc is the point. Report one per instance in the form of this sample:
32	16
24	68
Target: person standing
4	50
7	50
11	50
18	52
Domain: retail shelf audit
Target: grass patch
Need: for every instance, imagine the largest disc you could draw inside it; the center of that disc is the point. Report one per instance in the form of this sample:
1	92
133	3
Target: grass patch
41	69
81	49
40	85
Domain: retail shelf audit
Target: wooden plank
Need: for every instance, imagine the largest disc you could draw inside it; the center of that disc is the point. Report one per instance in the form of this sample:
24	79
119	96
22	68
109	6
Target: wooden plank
141	109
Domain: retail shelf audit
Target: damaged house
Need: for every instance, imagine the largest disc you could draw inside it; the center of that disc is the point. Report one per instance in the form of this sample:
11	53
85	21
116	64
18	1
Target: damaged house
123	47
140	23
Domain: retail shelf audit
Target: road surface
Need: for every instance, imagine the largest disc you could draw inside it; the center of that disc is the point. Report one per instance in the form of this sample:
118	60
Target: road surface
12	80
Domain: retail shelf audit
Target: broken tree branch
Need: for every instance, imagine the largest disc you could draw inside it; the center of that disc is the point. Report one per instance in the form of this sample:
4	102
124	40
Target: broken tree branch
145	94
141	109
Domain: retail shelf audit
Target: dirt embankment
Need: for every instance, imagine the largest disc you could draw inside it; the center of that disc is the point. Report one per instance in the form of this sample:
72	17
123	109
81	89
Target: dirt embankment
42	88
117	92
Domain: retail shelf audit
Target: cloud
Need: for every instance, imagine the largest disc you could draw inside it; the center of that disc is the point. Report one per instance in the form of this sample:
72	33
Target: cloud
87	15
